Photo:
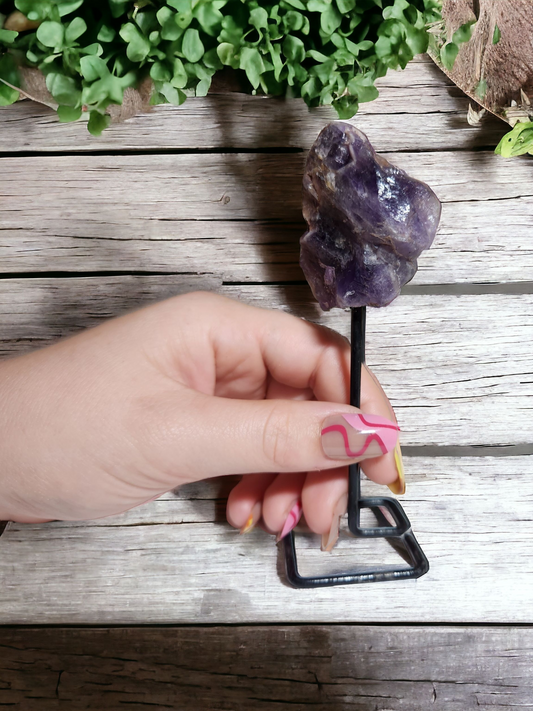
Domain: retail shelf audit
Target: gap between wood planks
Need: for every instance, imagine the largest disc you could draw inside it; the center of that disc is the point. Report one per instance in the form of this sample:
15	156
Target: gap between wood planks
489	146
460	289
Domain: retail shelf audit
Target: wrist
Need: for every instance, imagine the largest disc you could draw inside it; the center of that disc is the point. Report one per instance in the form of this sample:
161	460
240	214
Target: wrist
16	448
7	443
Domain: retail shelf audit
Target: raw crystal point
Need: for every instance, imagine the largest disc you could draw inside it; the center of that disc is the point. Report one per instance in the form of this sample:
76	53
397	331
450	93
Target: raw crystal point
368	221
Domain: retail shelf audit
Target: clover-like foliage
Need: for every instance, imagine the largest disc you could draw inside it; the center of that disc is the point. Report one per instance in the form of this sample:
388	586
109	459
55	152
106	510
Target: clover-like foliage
325	51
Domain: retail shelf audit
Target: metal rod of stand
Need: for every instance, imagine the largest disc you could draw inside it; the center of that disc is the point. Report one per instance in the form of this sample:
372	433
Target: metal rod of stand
357	339
401	533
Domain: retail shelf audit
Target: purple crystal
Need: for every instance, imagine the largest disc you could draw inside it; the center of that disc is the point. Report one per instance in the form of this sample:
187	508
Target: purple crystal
368	221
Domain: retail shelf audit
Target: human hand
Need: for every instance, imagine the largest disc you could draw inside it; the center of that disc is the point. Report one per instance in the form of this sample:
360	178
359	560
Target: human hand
191	388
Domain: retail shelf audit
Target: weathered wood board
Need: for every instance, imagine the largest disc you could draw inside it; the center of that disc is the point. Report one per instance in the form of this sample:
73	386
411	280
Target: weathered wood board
176	560
240	668
208	196
418	109
238	216
445	361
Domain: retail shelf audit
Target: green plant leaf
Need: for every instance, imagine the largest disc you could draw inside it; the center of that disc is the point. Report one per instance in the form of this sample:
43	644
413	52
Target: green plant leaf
163	15
184	19
417	41
34	11
296	3
51	34
203	87
8	36
325	71
259	18
179	75
464	33
9	72
67	114
172	95
327	51
318	5
118	7
448	55
98	122
317	56
211	60
345	6
160	72
94	48
66	7
65	90
227	54
138	46
180	5
252	63
277	62
517	142
106	34
75	29
330	20
93	67
170	30
363	89
346	106
192	46
293	49
209	18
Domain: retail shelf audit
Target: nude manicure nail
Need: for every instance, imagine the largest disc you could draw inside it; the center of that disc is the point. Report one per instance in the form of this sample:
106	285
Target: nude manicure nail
398	487
292	519
358	436
332	536
253	518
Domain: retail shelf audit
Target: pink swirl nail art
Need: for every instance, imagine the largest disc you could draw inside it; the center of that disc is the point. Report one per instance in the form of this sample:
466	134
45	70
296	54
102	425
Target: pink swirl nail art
292	519
357	436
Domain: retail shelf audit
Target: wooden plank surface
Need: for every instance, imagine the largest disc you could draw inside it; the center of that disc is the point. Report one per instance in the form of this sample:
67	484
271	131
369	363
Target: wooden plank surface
444	360
417	109
240	668
208	196
156	213
176	560
478	242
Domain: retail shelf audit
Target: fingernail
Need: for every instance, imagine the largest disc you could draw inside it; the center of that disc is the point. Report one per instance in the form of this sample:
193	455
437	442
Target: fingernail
253	518
398	486
329	539
358	436
292	519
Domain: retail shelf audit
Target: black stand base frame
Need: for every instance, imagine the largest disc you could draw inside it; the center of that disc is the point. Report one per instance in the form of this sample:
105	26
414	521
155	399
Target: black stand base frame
399	535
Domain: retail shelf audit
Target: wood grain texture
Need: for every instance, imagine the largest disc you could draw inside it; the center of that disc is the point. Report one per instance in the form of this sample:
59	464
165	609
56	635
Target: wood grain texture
160	205
417	110
156	213
477	242
355	668
445	361
175	560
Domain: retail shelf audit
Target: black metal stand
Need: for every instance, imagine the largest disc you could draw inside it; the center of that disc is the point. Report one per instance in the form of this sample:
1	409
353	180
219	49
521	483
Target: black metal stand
399	535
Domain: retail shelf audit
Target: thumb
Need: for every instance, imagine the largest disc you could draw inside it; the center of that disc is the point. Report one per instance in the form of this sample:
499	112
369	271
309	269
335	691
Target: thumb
226	436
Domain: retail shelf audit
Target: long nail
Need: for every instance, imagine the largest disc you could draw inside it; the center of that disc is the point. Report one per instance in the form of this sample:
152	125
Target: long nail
292	519
329	539
358	436
398	486
253	518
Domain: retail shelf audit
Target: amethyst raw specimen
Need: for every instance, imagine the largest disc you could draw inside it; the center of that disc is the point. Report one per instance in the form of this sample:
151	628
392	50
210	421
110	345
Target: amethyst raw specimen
368	221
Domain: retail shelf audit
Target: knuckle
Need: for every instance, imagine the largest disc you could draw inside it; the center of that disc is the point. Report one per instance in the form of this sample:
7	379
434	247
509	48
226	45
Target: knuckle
278	440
